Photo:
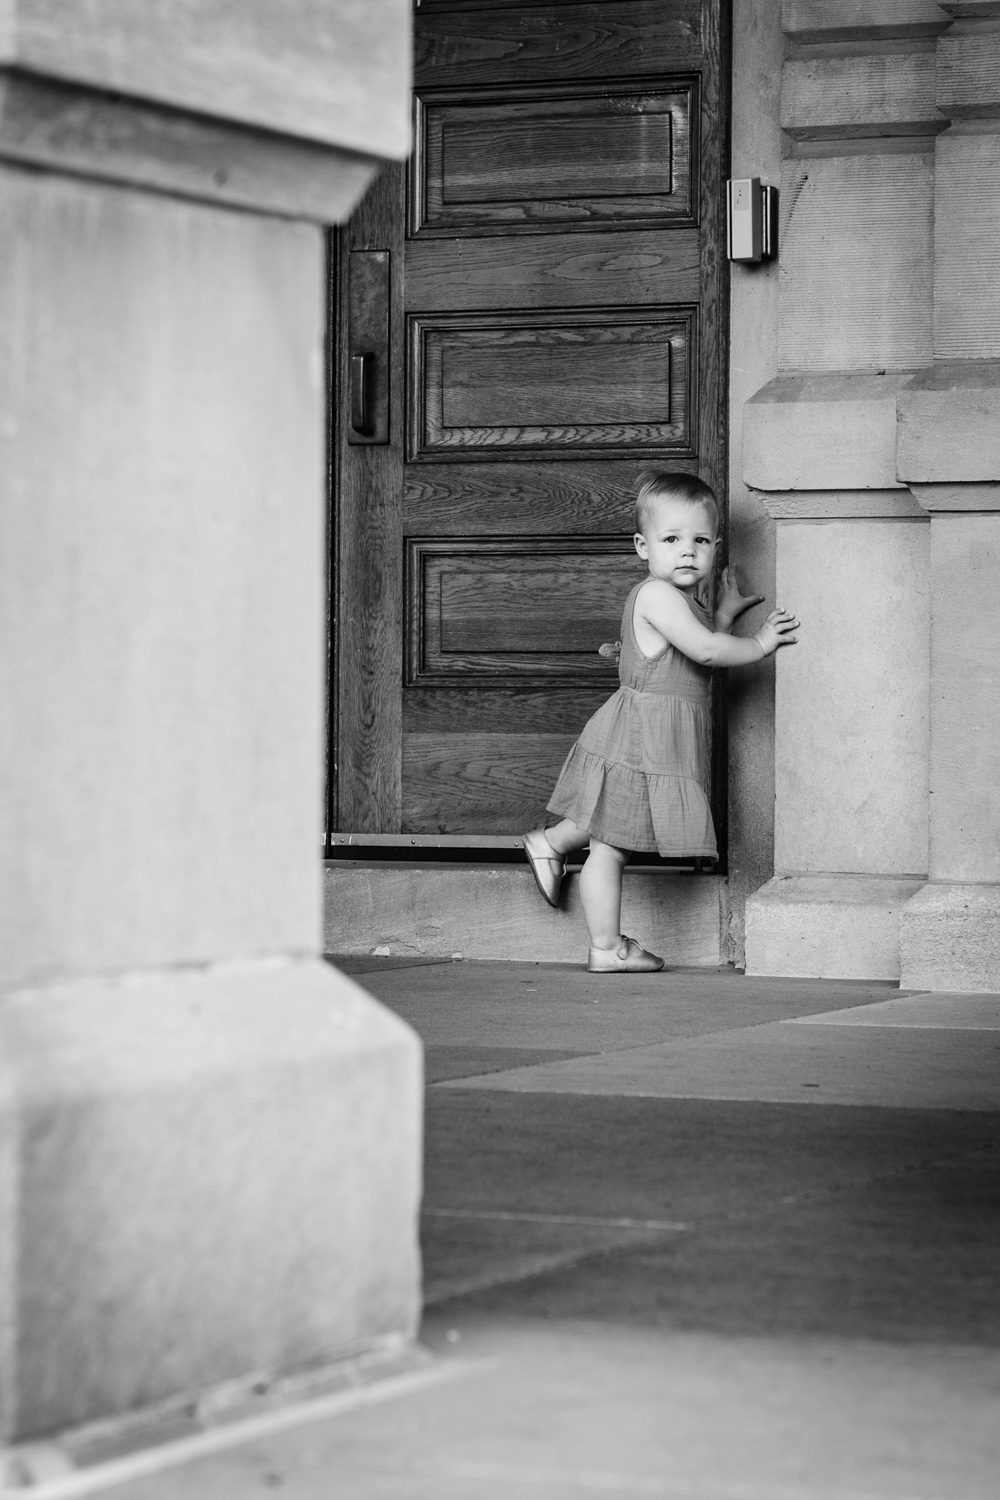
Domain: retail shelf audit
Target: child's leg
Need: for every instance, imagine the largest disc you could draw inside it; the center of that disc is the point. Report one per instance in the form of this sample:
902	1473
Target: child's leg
546	849
565	836
601	893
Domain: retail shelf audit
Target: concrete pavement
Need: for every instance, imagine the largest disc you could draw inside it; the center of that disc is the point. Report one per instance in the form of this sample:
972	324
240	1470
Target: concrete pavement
688	1235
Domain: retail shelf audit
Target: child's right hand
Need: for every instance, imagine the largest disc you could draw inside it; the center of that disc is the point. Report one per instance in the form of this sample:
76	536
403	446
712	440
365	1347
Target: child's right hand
776	631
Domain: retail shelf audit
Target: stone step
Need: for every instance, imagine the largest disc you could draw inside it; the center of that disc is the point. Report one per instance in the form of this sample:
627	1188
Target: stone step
437	910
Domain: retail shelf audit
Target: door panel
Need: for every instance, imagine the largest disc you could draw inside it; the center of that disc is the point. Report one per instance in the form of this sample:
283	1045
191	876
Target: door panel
524	159
481	41
536	271
553	285
550	384
513	611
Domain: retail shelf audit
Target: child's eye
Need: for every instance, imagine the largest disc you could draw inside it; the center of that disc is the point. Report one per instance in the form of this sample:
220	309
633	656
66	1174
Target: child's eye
670	538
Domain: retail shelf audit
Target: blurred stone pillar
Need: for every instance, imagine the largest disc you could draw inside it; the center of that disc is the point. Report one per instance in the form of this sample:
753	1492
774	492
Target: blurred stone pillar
211	1140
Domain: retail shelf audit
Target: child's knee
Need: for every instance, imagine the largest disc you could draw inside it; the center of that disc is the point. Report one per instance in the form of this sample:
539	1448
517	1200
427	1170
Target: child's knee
609	852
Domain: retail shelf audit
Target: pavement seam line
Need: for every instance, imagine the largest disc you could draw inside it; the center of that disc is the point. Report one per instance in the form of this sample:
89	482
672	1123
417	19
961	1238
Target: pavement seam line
677	1042
538	1265
584	1220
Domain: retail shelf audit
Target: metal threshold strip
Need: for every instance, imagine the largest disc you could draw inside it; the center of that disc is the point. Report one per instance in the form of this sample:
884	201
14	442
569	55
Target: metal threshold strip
460	848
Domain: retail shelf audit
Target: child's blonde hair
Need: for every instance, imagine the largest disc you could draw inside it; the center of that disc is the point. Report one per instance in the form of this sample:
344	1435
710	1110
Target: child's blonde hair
664	484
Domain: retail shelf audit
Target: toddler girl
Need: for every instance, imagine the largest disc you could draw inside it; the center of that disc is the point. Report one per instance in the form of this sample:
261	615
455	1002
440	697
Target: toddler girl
638	776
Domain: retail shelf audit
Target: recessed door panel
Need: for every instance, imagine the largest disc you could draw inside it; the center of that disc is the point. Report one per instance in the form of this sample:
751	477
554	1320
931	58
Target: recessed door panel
548	384
522	160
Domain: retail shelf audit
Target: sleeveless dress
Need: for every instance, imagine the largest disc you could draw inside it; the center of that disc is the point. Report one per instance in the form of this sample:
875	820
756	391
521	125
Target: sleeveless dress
638	777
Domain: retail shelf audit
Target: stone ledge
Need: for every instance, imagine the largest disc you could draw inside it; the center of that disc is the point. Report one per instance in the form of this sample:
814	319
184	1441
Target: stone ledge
843	505
949	425
888	94
945	499
968	71
481	911
949	938
205	1174
860	20
828	926
823	432
935	431
65	128
337	73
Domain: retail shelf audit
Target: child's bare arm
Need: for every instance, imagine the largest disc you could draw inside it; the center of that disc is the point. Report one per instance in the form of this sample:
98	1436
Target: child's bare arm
731	601
663	607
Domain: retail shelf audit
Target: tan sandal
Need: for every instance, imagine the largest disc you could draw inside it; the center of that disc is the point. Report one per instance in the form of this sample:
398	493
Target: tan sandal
629	957
547	866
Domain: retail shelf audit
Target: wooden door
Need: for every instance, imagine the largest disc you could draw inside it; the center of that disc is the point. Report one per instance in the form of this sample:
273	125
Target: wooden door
527	315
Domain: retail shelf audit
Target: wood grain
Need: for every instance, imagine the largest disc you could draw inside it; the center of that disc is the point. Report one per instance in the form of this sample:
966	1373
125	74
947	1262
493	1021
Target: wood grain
515	609
710	416
630	268
595	496
629	39
492	708
479	783
550	384
528	158
368	559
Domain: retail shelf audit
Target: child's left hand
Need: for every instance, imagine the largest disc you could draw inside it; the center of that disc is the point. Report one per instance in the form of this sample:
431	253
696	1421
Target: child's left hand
731	601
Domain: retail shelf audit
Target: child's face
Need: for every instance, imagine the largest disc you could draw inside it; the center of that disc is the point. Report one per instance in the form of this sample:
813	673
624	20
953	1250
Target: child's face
678	541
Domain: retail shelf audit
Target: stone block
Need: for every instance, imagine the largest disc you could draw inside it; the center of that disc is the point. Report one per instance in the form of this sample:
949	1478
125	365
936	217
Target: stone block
62	127
206	1176
827	926
883	94
967	245
843	505
951	497
968	70
949	424
336	71
161	580
965	703
949	938
860	20
483	911
855	268
822	432
852	724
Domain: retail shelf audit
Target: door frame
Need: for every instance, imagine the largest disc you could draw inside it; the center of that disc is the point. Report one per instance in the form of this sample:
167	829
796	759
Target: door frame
713	144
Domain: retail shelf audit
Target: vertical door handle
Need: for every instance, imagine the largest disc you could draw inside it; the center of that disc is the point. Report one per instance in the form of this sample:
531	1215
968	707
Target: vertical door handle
362	370
368	346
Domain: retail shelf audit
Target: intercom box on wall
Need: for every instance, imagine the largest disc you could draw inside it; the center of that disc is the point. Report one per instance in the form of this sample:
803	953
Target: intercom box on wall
751	219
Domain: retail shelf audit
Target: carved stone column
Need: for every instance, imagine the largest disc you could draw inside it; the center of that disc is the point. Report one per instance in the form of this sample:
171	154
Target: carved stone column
855	278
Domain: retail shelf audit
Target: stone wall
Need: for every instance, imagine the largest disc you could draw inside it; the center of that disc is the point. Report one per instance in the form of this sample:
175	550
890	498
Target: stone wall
874	449
757	53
